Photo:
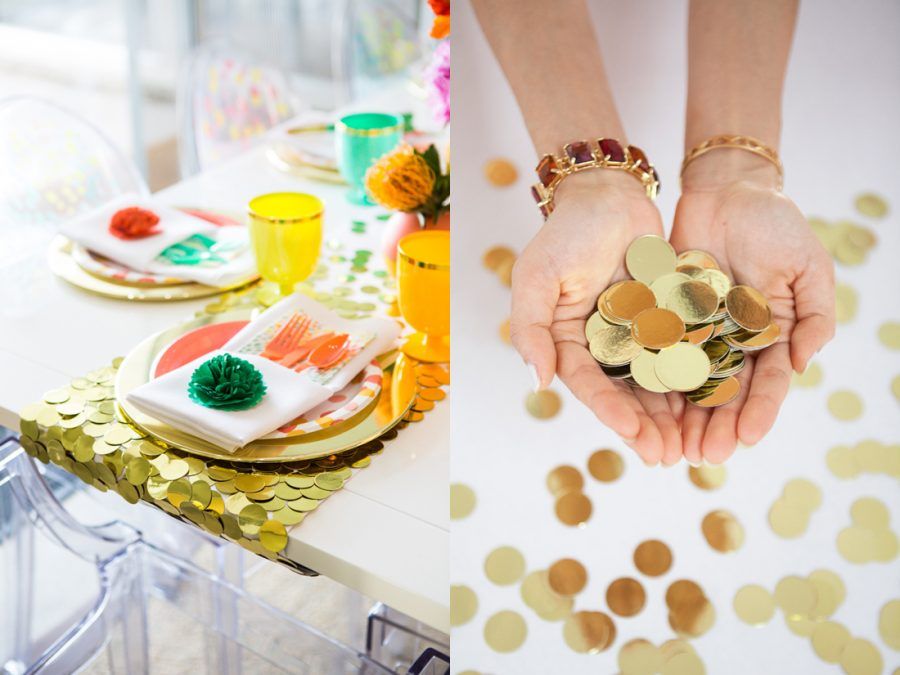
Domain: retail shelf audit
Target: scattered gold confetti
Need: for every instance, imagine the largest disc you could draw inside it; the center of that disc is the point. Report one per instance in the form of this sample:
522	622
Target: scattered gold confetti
889	624
845	405
500	172
861	657
869	538
589	632
653	558
462	501
754	605
723	531
625	596
504	332
889	334
543	404
811	377
573	508
564	478
871	205
867	456
567	577
639	657
505	631
504	565
606	465
463	605
707	476
691	614
539	596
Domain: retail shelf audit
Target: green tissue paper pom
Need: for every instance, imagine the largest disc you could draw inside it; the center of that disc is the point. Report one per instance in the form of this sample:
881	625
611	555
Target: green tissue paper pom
226	382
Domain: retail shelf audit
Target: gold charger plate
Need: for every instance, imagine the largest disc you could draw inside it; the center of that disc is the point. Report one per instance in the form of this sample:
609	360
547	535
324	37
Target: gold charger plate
398	393
65	267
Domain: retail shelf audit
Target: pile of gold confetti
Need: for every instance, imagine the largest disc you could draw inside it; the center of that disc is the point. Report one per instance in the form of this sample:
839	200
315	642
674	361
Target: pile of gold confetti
678	325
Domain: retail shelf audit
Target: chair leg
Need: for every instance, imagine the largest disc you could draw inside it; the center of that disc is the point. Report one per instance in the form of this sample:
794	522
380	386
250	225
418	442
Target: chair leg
226	648
127	618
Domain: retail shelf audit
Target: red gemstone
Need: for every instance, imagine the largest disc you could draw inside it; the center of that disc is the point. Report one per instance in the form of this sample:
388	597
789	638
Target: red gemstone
579	152
536	194
638	156
655	177
545	210
545	169
611	148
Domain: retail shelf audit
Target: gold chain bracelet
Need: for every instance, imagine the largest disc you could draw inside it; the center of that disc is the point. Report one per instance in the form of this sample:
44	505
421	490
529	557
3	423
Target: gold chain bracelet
748	143
583	155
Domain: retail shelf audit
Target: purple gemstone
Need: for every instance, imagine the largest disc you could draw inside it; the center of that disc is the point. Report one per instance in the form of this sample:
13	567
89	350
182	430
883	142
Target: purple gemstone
536	194
579	152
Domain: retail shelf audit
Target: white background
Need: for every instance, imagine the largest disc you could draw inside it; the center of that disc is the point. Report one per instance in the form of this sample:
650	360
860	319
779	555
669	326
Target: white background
841	136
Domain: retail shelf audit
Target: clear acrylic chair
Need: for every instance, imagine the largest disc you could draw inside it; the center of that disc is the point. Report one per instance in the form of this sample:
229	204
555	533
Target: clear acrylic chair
152	612
226	100
53	165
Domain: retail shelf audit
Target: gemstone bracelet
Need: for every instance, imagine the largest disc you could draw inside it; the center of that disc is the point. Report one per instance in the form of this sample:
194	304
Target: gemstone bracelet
583	155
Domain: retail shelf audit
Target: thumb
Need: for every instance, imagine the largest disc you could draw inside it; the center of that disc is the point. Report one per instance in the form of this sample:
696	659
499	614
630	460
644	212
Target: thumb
535	292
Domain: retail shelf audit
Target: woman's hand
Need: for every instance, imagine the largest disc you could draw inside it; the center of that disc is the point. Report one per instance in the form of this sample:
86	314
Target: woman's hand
577	254
731	208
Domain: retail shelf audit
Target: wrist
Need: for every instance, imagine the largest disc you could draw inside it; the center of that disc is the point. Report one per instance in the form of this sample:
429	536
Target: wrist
597	182
725	167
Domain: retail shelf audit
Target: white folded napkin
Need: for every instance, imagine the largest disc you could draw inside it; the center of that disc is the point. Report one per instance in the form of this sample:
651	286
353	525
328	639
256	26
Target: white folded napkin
288	393
91	230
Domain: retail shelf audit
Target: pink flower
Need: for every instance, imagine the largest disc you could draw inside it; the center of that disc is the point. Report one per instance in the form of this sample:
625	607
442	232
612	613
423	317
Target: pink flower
437	82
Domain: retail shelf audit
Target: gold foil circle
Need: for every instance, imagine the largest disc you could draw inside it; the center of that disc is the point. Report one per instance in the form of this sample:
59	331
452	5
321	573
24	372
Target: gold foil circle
697	258
861	657
589	632
871	205
748	308
845	405
653	558
567	577
573	508
504	565
564	478
748	341
723	531
643	370
462	501
829	639
614	346
694	301
606	465
682	367
505	631
889	624
656	328
718	281
796	596
663	285
639	657
625	596
546	603
754	605
649	257
624	300
463	605
543	404
708	476
722	394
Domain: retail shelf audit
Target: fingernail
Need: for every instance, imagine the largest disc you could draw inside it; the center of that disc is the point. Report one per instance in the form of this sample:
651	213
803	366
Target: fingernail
696	465
535	378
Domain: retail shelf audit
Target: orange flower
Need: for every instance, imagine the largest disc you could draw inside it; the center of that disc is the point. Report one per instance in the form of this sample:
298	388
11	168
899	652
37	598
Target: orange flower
401	180
441	27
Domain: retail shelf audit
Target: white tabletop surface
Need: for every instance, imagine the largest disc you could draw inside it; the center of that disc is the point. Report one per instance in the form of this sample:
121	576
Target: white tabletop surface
386	534
841	137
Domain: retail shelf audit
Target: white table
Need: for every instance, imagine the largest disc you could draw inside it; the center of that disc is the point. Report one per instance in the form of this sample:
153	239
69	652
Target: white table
386	534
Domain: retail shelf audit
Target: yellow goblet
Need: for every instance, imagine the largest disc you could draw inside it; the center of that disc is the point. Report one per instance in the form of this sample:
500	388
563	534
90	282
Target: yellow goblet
286	232
423	283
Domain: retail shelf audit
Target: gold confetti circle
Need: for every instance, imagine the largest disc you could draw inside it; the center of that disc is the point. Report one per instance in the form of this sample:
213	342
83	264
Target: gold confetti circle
273	535
543	404
625	596
708	476
567	577
463	605
845	405
505	631
889	624
589	632
649	257
748	308
643	371
462	501
796	596
845	303
754	605
653	558
870	513
504	565
500	172
786	520
895	387
573	508
606	465
722	531
811	377
639	657
889	334
871	205
861	657
504	332
657	328
803	494
564	478
693	301
497	256
829	639
547	604
683	664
